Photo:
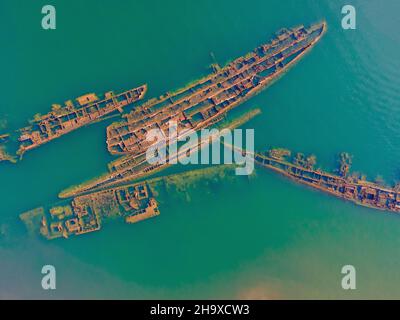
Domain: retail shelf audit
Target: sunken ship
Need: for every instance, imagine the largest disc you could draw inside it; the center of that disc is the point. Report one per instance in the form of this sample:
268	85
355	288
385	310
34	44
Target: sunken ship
86	213
199	105
204	101
85	110
352	187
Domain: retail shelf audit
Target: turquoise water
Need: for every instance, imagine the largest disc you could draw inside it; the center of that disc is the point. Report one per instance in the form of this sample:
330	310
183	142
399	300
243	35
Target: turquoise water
258	237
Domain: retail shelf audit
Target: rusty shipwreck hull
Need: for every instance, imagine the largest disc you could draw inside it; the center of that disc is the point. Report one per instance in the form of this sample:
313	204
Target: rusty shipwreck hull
64	119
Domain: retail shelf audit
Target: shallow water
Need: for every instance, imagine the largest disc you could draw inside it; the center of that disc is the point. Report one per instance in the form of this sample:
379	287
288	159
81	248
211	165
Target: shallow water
257	237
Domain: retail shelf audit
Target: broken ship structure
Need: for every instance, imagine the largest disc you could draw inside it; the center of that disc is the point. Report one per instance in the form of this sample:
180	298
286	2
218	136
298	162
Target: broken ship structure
85	213
199	105
4	155
351	187
61	120
204	101
138	167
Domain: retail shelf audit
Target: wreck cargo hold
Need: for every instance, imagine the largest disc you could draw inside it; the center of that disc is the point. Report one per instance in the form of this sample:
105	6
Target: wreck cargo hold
63	119
202	103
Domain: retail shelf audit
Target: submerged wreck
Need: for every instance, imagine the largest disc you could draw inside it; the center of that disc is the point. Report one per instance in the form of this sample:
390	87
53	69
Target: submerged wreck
63	119
344	185
130	167
85	214
4	155
200	105
132	202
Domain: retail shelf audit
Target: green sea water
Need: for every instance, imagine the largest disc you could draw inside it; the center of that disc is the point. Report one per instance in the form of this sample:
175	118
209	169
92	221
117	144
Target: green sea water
246	237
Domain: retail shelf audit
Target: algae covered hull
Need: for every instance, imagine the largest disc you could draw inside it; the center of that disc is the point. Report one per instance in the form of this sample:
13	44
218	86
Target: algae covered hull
63	119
